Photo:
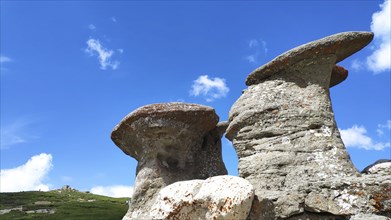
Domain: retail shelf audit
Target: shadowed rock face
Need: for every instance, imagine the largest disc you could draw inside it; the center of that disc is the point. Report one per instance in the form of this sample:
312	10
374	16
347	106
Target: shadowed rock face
171	142
287	141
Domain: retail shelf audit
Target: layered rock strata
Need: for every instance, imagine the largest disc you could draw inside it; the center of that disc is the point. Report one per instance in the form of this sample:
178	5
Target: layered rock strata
287	141
171	142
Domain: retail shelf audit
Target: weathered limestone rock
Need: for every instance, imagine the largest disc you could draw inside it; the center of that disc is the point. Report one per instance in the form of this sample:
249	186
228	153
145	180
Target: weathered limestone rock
380	166
171	142
220	197
287	141
342	45
368	217
211	154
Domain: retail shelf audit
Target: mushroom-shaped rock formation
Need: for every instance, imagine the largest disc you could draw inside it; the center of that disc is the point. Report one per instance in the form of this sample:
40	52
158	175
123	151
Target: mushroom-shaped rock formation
341	45
284	132
167	140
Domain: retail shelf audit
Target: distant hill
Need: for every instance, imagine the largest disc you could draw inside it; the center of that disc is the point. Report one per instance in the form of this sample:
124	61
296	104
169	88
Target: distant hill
61	204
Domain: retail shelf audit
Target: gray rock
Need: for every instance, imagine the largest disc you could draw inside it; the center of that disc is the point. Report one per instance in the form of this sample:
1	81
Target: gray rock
220	197
210	157
342	45
171	142
287	141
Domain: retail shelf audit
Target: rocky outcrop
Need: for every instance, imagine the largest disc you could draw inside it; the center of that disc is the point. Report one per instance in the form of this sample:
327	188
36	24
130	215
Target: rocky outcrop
287	141
220	197
171	142
292	161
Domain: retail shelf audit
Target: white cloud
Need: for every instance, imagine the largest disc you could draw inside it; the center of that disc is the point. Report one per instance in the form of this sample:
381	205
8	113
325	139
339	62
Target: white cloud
357	65
4	59
29	176
91	27
251	58
104	54
380	132
382	127
356	137
211	89
117	191
380	60
259	48
253	43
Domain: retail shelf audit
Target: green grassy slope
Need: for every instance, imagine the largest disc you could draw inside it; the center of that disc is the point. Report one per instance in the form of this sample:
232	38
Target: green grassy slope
66	204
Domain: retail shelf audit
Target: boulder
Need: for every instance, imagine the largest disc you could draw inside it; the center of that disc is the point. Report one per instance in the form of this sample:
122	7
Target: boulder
219	197
380	166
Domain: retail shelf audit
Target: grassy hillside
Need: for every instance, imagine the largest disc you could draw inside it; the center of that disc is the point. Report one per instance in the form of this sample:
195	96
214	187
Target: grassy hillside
61	204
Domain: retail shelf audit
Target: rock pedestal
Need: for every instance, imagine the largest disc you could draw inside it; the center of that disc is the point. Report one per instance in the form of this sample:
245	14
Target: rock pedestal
286	138
169	141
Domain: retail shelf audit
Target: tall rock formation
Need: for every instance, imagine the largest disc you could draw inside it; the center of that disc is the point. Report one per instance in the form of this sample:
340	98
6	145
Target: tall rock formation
287	141
171	142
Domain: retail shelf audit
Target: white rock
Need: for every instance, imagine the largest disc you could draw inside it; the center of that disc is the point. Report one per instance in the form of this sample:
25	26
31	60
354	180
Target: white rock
219	197
368	217
381	167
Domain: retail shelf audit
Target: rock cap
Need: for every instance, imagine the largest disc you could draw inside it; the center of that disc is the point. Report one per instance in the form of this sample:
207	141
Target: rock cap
154	116
338	75
342	45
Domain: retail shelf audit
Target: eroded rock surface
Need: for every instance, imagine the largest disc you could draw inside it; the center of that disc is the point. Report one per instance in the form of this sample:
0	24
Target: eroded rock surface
287	141
380	166
171	142
292	160
220	197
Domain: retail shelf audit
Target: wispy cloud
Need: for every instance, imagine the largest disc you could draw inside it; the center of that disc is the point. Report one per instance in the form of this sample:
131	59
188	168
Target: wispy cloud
381	127
380	60
4	59
91	27
14	133
94	47
211	89
357	65
29	176
116	191
258	50
356	137
114	19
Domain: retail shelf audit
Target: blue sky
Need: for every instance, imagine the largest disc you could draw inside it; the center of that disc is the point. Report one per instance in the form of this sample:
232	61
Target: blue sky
71	70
